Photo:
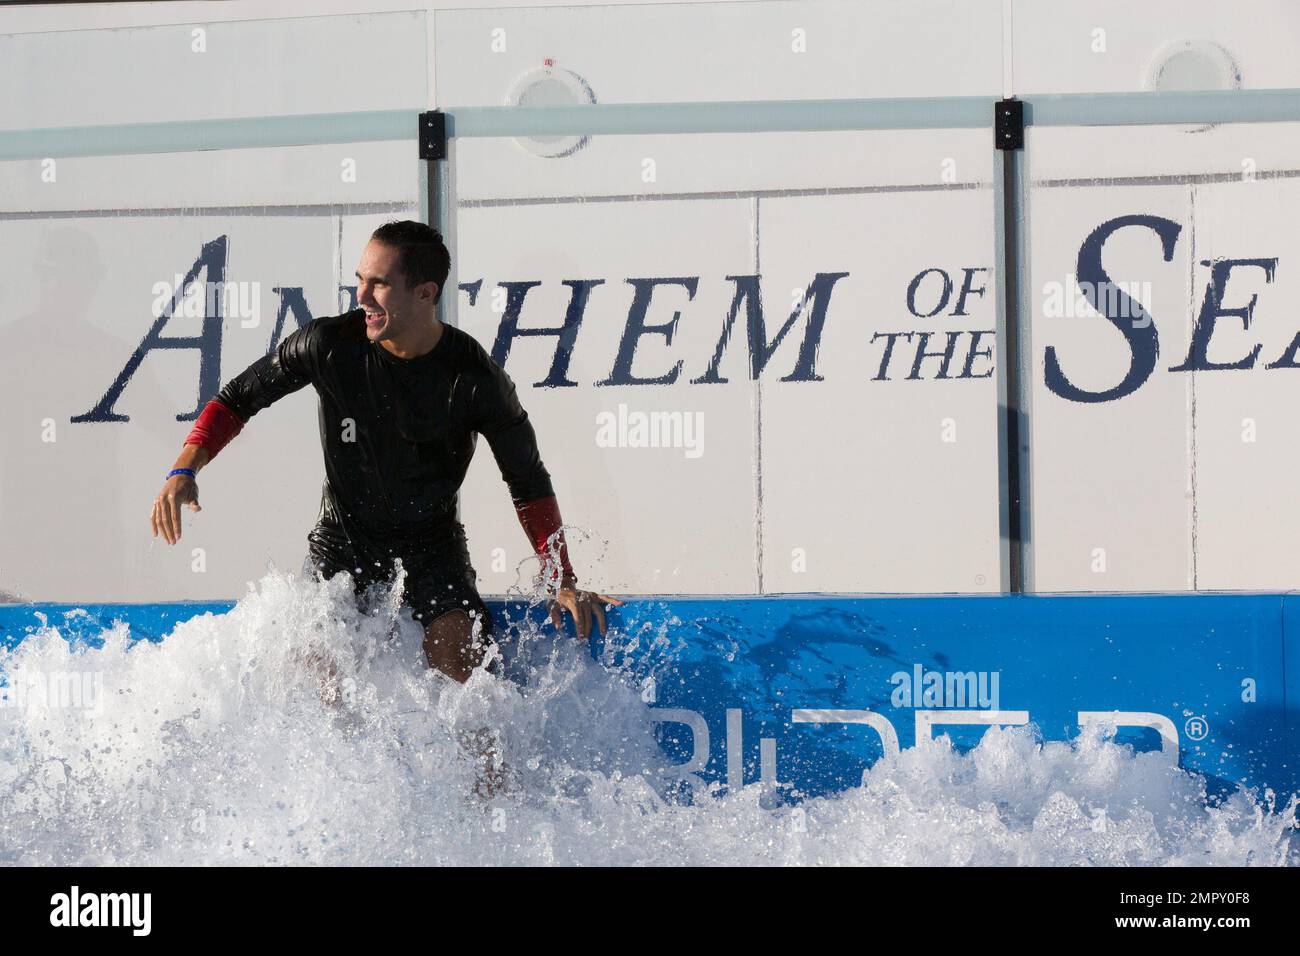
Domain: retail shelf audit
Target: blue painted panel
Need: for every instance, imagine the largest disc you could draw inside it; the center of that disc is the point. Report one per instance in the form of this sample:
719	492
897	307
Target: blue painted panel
86	621
1183	657
1210	667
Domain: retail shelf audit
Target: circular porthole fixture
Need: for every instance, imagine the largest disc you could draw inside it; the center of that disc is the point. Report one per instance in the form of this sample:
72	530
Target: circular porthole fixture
1193	65
549	85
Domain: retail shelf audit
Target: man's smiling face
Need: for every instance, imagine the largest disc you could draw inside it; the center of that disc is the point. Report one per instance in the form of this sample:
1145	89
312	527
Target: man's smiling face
391	308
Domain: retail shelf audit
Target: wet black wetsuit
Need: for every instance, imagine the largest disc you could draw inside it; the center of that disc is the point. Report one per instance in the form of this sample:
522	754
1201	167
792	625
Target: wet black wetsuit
398	435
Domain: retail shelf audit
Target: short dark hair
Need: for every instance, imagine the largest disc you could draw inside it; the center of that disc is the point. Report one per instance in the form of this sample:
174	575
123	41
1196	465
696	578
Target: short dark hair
421	254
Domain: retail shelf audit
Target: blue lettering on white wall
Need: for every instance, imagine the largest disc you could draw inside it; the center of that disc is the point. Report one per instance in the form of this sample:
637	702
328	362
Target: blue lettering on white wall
636	328
760	349
945	291
291	300
1118	309
212	263
906	355
566	334
1198	354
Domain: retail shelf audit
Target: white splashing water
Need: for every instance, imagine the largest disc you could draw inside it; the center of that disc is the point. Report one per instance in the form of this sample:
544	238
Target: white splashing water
215	747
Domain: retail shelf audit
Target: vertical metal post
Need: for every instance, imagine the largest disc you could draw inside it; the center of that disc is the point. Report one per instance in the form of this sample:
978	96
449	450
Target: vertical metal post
1008	557
437	201
438	197
1015	374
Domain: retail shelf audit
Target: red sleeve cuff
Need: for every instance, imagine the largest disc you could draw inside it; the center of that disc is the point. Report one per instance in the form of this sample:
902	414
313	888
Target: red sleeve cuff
540	520
215	427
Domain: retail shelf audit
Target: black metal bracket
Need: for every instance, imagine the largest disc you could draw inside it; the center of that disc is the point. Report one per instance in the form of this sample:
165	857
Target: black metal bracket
1009	124
433	135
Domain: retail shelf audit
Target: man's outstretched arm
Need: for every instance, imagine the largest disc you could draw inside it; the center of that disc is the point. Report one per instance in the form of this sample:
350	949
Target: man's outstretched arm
540	519
504	423
266	381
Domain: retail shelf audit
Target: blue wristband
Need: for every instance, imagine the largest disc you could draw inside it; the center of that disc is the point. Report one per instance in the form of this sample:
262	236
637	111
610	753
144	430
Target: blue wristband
183	471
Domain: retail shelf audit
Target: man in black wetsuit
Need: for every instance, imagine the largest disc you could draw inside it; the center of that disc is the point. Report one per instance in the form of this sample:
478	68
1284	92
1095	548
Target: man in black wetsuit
402	398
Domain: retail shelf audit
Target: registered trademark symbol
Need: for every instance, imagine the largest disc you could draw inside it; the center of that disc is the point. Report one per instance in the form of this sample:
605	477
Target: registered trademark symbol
979	579
1197	728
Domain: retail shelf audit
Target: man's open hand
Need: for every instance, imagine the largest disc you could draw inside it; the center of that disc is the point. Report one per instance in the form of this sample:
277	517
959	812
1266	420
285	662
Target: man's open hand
583	605
165	519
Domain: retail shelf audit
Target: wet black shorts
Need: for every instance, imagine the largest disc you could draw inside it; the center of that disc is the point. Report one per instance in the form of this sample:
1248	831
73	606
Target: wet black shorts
439	576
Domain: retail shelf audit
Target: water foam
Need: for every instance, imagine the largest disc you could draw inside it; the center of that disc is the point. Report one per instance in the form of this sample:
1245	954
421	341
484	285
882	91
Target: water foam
215	747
